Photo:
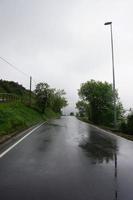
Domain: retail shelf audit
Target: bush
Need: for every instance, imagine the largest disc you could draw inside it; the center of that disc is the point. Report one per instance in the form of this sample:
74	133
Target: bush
123	127
3	116
127	126
130	123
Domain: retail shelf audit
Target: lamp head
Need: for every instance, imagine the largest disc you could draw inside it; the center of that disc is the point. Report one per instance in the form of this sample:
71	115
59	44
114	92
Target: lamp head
108	23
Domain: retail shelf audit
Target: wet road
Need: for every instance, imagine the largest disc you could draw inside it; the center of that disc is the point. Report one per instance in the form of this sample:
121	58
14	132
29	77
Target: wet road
67	159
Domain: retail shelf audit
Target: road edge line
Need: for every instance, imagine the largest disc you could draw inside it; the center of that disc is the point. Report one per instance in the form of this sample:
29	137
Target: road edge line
111	133
20	140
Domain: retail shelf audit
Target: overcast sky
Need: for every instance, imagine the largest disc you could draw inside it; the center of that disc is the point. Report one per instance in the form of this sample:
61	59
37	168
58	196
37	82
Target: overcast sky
65	43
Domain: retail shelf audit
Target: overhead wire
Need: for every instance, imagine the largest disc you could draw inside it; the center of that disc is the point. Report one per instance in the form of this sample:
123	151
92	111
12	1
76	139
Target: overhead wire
13	66
16	68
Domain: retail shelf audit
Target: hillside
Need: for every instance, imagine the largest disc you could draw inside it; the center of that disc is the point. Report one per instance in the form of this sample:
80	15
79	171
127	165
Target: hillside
12	87
17	115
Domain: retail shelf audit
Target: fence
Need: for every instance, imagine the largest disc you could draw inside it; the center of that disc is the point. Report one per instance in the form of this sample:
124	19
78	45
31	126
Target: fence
8	97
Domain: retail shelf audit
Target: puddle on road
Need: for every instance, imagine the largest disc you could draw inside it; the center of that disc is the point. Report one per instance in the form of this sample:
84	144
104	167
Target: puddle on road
98	147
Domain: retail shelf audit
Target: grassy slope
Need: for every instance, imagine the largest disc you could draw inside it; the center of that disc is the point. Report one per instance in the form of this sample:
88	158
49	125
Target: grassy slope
16	117
49	114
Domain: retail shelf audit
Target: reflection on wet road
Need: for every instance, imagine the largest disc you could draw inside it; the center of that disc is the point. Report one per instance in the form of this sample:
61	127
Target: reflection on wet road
68	159
100	148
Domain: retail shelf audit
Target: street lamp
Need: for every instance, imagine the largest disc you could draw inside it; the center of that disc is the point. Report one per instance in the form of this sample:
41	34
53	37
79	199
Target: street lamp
113	70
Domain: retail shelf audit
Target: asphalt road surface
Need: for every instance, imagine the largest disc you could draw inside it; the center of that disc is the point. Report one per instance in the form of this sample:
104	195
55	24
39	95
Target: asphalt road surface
67	159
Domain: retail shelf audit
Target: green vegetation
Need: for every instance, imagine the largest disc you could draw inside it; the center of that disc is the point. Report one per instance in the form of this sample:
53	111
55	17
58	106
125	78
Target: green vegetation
47	97
15	89
96	104
12	88
18	115
127	124
50	114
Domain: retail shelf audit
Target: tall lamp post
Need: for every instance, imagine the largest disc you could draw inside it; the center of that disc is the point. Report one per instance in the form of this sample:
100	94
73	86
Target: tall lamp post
113	70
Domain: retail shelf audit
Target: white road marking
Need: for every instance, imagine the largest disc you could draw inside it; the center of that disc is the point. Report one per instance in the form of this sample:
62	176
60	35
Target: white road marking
11	147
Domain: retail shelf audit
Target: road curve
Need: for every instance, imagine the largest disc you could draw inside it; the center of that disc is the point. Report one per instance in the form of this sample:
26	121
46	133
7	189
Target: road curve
67	159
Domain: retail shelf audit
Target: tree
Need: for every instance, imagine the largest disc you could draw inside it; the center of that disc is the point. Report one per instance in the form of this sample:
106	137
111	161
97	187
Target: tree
47	97
43	95
59	101
99	96
84	109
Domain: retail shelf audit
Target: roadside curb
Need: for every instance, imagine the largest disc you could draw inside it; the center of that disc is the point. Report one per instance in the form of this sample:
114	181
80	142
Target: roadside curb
101	129
111	133
96	127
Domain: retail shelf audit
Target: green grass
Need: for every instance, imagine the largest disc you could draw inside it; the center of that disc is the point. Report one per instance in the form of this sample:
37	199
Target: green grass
49	114
17	116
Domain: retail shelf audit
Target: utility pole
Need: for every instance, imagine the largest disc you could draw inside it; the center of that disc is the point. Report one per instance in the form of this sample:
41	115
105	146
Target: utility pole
30	91
113	70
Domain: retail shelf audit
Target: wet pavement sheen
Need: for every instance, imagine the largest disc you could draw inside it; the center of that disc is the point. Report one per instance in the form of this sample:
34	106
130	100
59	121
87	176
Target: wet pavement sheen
67	159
